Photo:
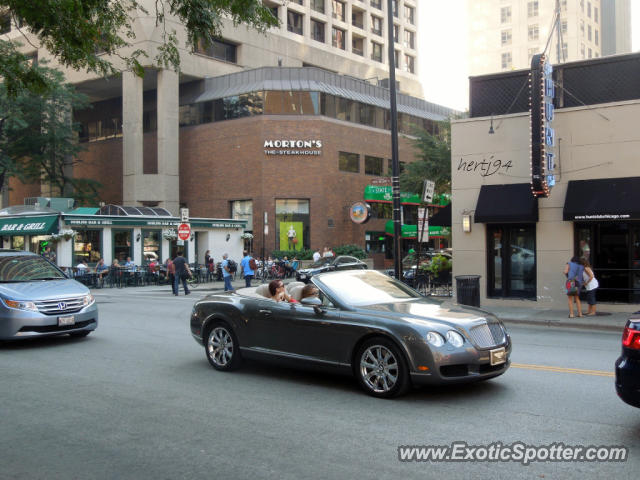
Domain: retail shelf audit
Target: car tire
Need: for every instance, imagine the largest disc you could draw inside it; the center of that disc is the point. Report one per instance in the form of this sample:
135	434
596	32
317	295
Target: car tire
381	368
81	334
222	348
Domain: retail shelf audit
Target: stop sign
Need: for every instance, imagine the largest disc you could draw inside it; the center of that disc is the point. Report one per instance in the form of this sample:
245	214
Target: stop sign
184	231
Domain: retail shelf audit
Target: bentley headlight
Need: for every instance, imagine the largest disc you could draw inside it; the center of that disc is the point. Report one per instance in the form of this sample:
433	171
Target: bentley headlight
435	339
454	338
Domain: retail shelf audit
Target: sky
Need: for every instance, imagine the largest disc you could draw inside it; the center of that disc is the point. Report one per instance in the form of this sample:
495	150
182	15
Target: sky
443	50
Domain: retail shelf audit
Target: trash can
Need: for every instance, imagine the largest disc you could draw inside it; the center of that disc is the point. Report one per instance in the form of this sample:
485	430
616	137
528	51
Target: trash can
468	290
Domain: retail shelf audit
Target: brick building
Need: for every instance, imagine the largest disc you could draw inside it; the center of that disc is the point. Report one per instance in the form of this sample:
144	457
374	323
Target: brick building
299	144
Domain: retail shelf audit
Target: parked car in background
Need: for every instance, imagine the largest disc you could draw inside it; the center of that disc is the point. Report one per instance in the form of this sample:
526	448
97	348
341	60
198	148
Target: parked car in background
38	300
362	323
628	365
330	264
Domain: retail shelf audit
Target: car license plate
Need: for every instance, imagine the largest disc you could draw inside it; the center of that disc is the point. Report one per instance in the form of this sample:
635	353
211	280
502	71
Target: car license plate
66	320
498	356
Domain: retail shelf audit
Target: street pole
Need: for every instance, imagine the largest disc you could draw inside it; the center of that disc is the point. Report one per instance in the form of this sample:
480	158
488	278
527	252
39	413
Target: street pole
395	181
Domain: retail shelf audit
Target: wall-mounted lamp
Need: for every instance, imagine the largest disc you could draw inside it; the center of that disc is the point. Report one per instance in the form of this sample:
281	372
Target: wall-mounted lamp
228	236
466	223
191	237
491	130
137	237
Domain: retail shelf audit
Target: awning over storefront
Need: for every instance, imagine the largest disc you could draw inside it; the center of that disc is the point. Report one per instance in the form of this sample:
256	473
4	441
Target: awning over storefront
506	204
411	231
29	225
605	199
442	218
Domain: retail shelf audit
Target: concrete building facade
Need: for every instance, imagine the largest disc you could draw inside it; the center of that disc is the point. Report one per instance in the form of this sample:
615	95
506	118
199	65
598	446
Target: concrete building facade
505	34
344	36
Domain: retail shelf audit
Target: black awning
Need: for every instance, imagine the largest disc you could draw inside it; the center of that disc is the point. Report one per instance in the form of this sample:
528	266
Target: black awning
604	199
442	217
513	203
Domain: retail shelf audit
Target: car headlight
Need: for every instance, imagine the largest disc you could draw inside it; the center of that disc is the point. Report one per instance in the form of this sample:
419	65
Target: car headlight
302	275
455	339
435	339
88	300
20	305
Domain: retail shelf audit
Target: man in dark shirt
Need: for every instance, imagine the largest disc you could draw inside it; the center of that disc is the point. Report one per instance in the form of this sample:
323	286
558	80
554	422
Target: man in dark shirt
182	273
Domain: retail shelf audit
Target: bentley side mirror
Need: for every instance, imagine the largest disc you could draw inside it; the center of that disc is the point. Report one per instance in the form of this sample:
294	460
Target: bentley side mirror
314	302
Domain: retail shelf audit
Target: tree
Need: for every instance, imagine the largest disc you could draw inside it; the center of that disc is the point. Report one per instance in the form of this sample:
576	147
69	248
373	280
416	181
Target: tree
433	161
38	140
77	31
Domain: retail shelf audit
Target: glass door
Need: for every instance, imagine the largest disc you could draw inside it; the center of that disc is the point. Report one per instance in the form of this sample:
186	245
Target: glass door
511	255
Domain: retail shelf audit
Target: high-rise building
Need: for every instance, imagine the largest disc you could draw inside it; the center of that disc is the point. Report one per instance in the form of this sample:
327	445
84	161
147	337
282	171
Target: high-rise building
290	126
616	26
505	34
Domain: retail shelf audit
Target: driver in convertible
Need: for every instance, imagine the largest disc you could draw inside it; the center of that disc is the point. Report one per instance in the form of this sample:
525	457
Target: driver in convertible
278	292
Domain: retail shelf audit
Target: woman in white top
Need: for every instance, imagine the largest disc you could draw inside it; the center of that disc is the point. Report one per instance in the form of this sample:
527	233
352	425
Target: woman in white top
590	284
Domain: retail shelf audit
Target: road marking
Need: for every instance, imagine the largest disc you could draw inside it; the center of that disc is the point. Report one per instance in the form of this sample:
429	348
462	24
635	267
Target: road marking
579	371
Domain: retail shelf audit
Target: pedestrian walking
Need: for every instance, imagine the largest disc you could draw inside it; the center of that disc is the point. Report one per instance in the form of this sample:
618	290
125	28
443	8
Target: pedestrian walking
171	275
226	273
182	273
591	285
248	265
574	270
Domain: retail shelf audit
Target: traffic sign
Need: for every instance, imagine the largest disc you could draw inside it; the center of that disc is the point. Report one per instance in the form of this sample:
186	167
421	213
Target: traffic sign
184	215
184	231
427	191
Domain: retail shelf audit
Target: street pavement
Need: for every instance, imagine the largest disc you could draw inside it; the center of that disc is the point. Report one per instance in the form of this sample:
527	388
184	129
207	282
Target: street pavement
137	399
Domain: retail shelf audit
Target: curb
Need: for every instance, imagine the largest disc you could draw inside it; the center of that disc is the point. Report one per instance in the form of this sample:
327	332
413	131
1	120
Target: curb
563	324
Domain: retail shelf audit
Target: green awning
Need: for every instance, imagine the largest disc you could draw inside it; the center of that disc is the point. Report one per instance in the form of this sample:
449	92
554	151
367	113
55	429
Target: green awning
411	231
29	225
85	211
384	194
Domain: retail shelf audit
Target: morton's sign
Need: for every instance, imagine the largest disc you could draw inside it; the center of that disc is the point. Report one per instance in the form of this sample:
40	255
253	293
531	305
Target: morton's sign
293	147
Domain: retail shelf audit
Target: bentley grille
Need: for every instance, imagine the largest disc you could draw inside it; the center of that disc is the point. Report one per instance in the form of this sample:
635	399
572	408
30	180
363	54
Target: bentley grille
60	307
487	335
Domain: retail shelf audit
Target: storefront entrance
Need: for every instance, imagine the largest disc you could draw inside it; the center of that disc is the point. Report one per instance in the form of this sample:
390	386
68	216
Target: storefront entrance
511	261
613	249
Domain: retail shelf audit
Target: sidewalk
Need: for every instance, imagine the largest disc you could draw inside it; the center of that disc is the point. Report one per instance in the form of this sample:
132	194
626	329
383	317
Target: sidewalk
610	321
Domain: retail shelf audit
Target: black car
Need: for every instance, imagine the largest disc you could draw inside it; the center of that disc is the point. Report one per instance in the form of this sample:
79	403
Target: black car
329	264
628	365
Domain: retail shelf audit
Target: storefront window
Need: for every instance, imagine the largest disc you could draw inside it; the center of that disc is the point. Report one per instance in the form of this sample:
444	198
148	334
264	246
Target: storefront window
39	244
292	224
151	245
122	245
375	242
87	246
511	254
17	242
243	210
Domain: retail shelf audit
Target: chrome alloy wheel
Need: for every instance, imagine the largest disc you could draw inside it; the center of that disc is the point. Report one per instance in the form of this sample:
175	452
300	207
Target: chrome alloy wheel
220	346
379	368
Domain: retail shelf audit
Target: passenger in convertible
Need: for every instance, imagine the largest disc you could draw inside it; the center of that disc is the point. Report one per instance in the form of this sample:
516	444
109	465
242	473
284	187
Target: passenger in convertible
278	292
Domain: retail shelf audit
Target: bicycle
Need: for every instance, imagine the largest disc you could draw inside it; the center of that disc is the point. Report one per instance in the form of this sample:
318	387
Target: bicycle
193	281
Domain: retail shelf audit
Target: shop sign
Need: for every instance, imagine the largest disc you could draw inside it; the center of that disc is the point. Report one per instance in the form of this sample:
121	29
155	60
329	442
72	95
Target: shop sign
411	231
28	225
360	212
542	92
142	222
384	194
293	147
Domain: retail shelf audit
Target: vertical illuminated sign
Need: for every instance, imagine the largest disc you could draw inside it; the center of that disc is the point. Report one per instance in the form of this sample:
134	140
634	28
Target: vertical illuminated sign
542	92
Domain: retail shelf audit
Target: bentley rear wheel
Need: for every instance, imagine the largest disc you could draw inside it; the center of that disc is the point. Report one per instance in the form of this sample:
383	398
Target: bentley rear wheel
381	368
222	348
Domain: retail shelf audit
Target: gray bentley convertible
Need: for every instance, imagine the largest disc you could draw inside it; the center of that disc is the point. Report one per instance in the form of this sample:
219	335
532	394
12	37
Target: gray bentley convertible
363	323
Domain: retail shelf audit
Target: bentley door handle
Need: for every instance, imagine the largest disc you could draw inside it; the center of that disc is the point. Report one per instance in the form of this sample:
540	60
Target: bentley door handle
266	312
